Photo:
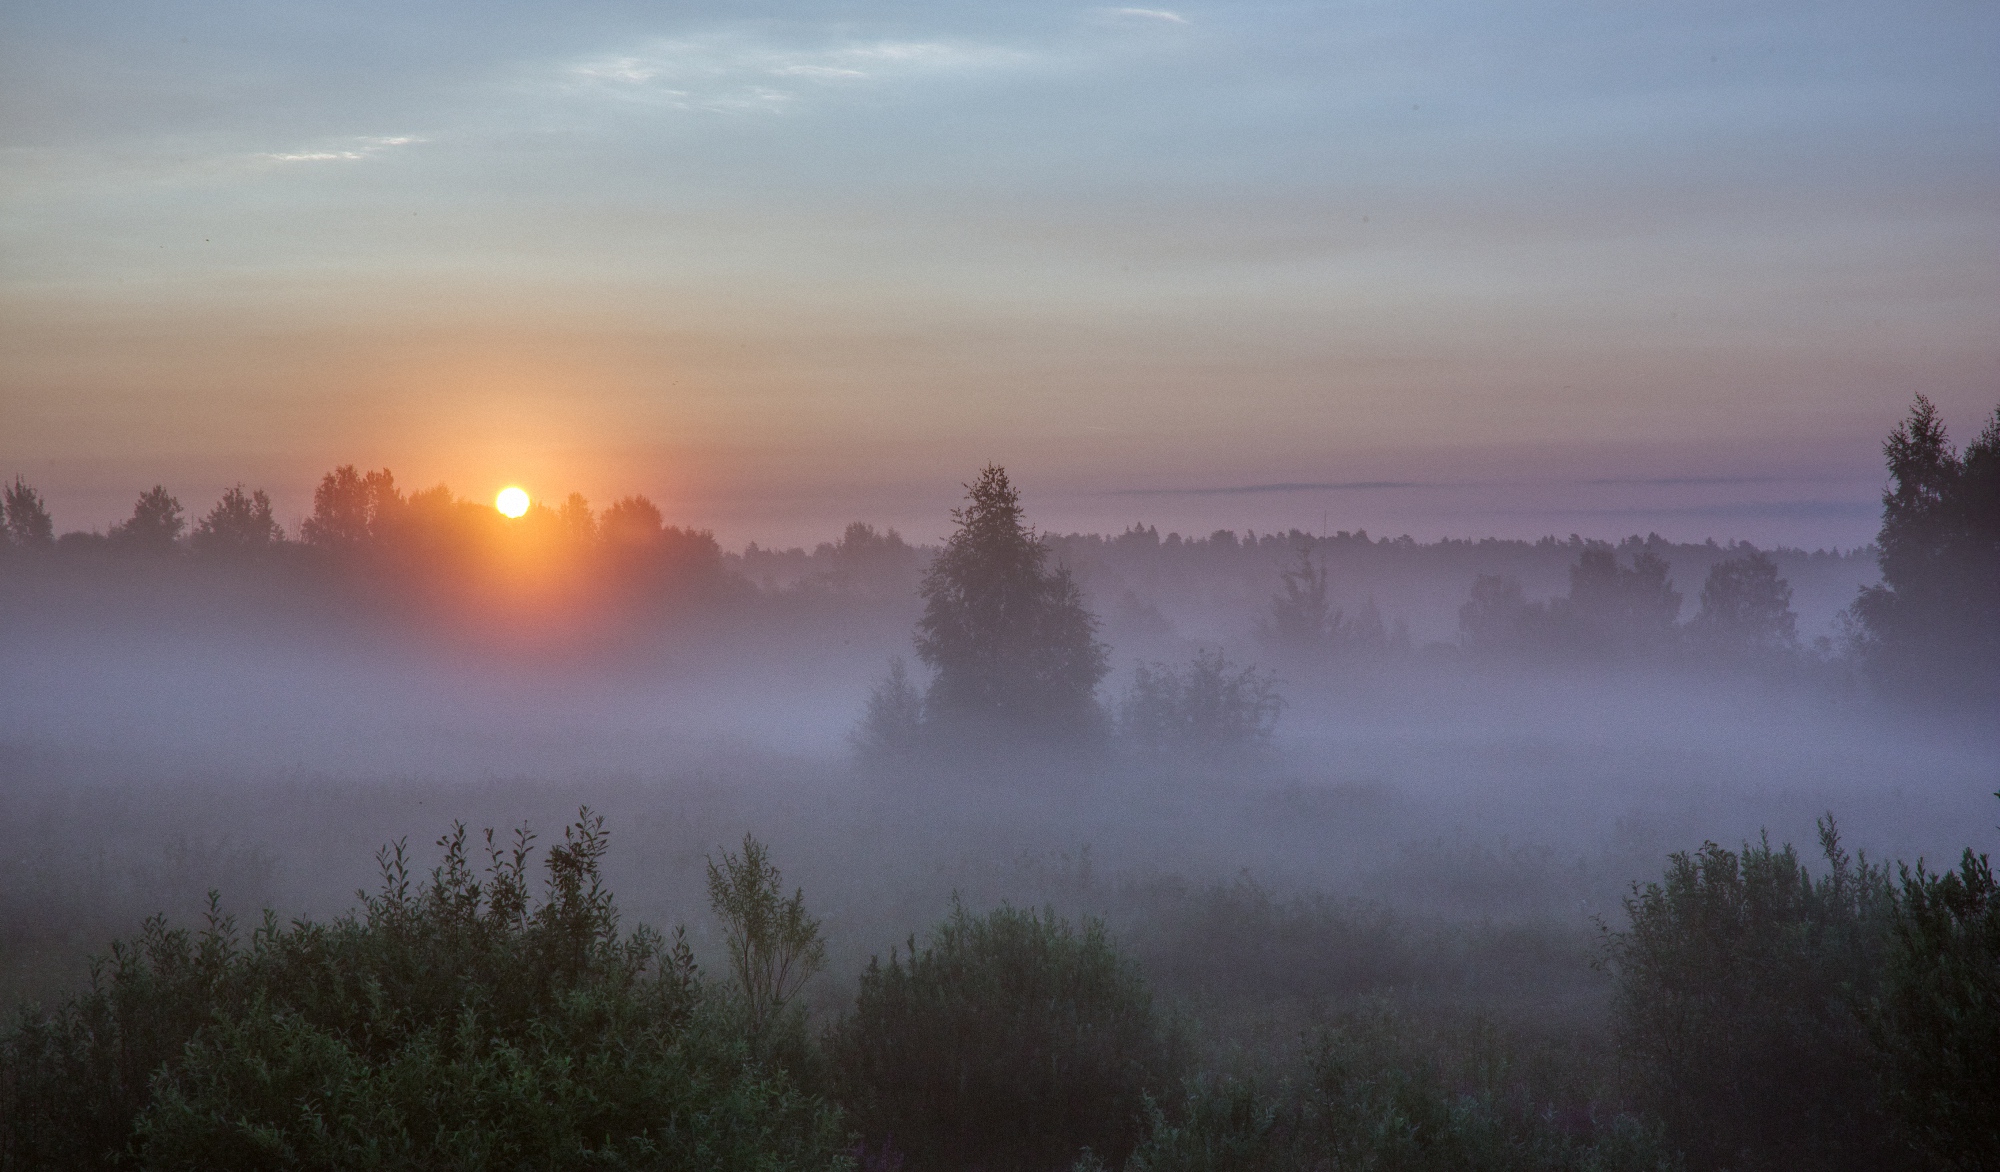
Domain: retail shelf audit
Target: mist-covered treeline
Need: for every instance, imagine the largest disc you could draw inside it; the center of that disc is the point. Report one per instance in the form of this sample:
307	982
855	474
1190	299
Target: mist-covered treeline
1122	853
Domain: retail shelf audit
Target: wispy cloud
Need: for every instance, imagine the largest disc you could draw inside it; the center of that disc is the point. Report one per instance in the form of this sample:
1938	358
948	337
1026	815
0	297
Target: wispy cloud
354	150
730	73
1148	14
1287	486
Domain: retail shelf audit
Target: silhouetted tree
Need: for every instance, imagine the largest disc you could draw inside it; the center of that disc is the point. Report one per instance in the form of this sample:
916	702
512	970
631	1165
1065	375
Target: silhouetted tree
27	517
1009	639
155	524
1497	618
1613	609
350	509
578	523
239	523
631	521
1746	608
1933	625
868	561
1300	620
1302	627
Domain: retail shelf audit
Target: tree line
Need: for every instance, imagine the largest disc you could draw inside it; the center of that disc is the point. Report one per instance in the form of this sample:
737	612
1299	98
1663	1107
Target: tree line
1010	642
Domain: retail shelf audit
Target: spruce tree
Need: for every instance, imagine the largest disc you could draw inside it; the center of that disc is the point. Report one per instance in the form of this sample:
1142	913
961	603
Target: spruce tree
1012	647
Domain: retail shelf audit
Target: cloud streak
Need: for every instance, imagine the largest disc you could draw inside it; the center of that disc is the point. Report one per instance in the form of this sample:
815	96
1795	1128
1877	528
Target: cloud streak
733	73
1287	486
362	148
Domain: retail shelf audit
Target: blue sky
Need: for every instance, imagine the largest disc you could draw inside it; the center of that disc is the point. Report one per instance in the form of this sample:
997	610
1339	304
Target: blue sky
1511	268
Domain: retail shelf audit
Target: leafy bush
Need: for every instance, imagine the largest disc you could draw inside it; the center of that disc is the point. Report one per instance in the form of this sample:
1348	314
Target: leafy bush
1010	1040
1378	1092
459	1023
1210	706
1740	983
1938	1020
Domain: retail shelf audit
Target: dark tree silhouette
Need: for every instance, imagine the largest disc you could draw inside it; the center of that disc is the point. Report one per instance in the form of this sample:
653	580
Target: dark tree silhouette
350	510
27	517
1498	618
1009	639
631	521
239	523
579	524
1301	620
1933	625
1616	610
155	524
1746	608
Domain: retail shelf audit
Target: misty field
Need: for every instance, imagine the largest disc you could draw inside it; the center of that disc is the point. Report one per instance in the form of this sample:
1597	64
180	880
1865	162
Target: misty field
1021	852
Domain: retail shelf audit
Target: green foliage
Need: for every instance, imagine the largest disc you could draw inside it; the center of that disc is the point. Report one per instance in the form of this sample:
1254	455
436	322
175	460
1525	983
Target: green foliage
460	1023
1380	1092
1938	1020
1011	644
1740	979
1209	707
1010	1040
774	945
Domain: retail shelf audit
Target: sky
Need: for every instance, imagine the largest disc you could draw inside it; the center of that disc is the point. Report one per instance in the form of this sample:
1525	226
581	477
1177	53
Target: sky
1446	269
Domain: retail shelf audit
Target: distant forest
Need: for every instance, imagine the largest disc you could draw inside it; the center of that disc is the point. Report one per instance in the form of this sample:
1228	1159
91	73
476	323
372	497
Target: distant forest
578	576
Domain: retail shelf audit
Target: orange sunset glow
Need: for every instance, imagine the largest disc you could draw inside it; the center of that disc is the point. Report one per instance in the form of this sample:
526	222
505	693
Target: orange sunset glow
1261	552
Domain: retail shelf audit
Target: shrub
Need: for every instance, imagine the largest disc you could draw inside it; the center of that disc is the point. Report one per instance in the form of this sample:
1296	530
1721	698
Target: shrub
1379	1092
1010	1040
1938	1020
1740	979
774	948
460	1023
1209	707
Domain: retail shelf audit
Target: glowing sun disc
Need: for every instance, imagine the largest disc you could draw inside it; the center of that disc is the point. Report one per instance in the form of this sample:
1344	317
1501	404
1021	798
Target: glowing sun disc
512	501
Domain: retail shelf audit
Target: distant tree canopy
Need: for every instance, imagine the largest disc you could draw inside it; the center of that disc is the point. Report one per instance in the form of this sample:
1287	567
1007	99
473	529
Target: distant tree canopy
239	523
1612	611
1306	630
26	516
350	508
155	524
1933	625
1210	707
1746	608
1012	647
1616	608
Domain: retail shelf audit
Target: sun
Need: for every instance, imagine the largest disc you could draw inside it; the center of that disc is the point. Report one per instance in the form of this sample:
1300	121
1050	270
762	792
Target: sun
512	501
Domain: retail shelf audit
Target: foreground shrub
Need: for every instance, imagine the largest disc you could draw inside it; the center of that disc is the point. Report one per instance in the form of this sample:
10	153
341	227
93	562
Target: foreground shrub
454	1024
1010	1040
1379	1092
1938	1021
1741	980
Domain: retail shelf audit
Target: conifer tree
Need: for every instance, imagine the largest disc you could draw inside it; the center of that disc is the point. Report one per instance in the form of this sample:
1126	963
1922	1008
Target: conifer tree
1012	647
